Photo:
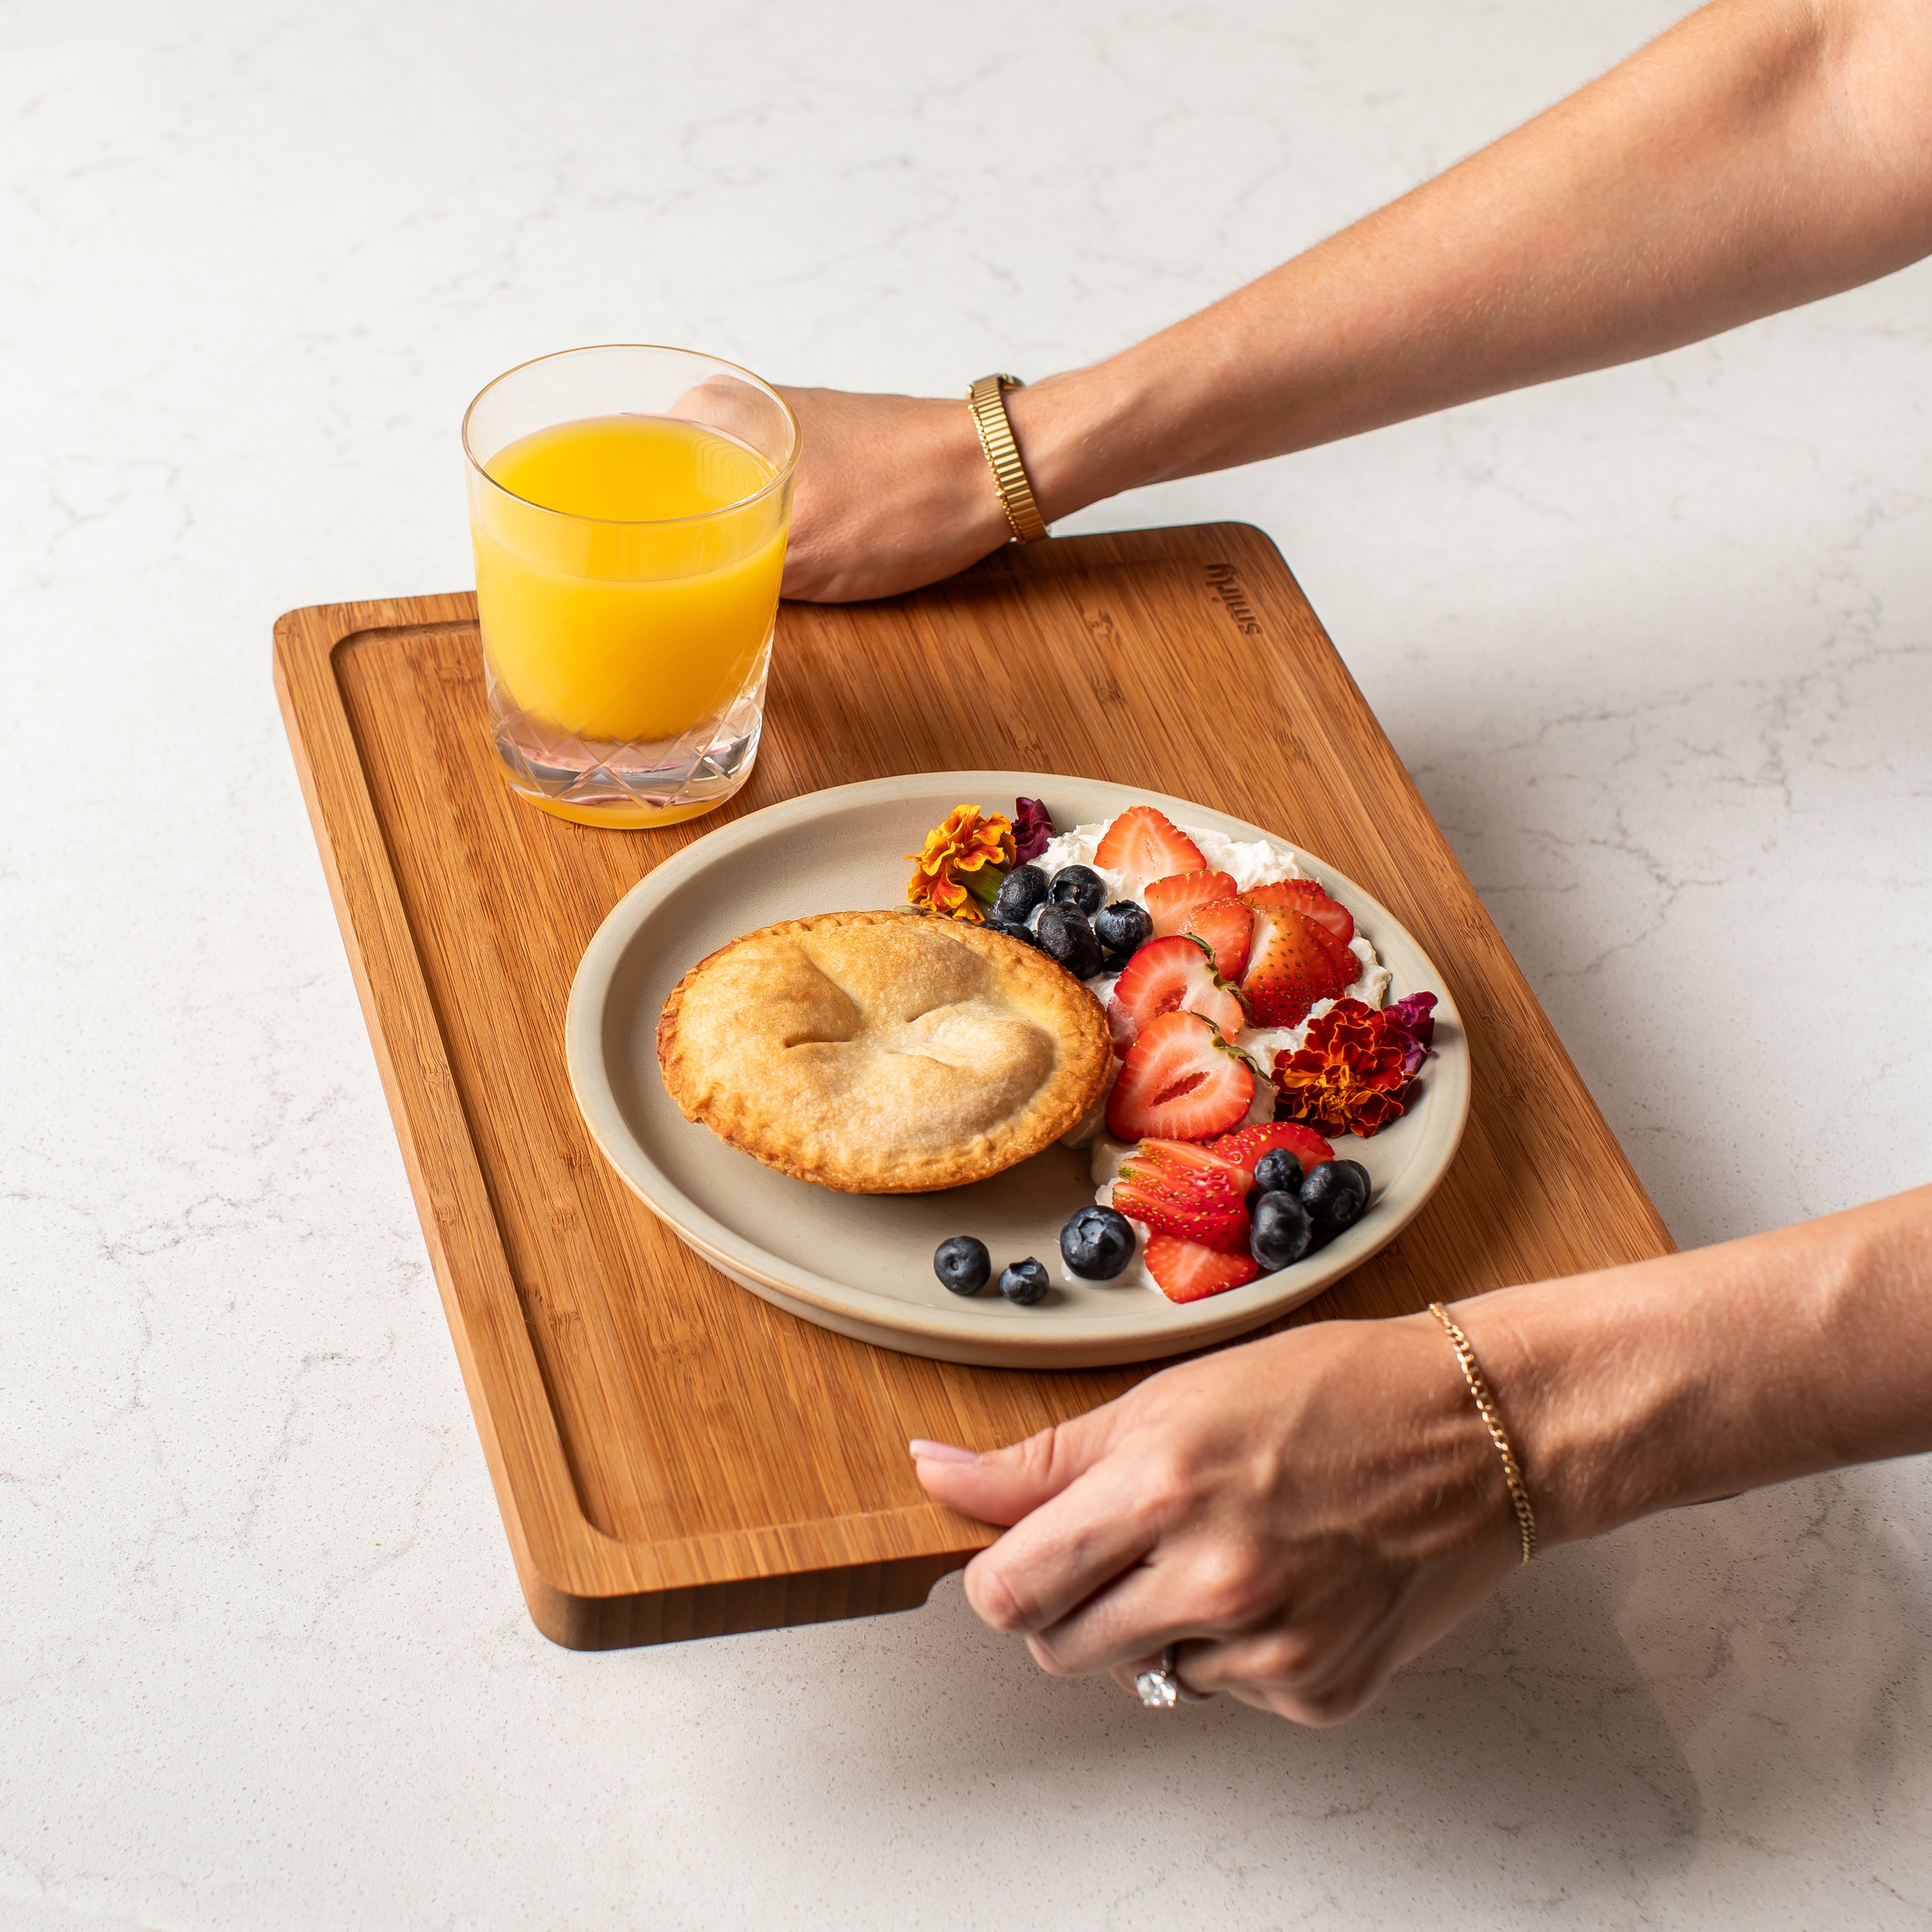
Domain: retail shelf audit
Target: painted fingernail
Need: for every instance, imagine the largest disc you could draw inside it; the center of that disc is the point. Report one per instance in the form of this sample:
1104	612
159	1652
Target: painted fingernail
941	1452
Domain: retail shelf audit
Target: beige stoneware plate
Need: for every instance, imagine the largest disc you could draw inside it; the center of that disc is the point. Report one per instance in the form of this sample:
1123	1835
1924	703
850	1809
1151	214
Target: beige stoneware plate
862	1263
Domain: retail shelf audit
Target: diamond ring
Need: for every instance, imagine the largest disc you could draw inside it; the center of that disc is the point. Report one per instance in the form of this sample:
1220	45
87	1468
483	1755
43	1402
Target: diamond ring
1161	1690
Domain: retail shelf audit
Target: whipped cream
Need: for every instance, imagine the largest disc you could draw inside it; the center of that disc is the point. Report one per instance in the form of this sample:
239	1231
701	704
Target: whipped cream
1249	862
1255	862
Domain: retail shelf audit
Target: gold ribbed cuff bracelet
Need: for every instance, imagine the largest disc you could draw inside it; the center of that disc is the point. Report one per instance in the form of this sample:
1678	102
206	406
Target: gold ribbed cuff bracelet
1486	1407
987	400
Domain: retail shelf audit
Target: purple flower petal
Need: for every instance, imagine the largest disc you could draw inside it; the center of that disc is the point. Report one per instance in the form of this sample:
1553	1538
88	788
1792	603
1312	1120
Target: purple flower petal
1416	1015
1033	826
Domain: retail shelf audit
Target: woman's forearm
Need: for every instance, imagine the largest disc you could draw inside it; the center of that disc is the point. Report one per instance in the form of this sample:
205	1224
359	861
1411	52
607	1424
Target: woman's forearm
1701	1374
1762	154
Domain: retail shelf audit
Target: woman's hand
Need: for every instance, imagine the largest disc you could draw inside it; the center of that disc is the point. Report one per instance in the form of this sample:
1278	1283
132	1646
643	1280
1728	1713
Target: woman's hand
1305	1513
892	492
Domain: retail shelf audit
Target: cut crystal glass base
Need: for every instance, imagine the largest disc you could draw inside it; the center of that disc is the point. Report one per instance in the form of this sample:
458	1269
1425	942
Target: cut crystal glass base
597	782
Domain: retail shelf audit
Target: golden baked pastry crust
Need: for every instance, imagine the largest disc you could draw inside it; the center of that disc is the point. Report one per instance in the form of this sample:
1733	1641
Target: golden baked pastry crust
883	1052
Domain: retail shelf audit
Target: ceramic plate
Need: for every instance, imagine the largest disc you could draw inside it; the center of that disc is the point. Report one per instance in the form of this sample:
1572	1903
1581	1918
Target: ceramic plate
862	1263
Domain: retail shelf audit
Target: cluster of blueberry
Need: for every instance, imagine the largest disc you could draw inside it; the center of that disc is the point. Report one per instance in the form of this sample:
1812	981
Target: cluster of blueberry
1096	1244
1074	929
1288	1211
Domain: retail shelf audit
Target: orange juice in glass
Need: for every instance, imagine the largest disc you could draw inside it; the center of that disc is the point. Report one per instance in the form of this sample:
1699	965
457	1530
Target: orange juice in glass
628	507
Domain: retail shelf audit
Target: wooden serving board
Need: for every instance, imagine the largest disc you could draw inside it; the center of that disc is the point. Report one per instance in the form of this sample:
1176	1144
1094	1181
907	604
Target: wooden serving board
674	1458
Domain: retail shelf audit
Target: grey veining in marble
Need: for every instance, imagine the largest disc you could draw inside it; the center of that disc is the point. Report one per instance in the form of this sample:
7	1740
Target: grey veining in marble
1657	645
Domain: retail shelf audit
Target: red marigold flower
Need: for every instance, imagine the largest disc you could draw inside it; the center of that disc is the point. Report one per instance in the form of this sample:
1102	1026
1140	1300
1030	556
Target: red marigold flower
1352	1072
959	870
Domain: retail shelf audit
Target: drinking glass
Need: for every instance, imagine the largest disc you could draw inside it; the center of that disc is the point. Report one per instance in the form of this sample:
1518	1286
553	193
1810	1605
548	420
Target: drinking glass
628	507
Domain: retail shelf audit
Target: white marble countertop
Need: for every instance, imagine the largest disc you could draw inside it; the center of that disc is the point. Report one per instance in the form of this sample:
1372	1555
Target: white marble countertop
1657	646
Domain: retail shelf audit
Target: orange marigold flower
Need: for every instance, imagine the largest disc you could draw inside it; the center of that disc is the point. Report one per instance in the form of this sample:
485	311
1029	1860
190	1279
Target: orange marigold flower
1351	1072
959	871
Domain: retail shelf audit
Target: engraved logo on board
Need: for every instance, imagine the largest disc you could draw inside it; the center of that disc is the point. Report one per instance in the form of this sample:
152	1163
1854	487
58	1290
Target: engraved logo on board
1100	661
1226	586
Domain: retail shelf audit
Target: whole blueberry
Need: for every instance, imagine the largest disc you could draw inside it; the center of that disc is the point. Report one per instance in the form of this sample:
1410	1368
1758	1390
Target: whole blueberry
1097	1243
962	1264
1123	929
1280	1231
1013	929
1335	1193
1064	935
1020	891
1278	1172
1025	1282
1080	885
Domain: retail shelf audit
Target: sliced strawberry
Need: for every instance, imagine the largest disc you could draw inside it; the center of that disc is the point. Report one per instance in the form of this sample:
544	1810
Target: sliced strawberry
1345	967
1188	1271
1348	969
1180	1081
1170	975
1208	1207
1308	898
1178	1166
1147	843
1169	901
1292	966
1225	927
1243	1149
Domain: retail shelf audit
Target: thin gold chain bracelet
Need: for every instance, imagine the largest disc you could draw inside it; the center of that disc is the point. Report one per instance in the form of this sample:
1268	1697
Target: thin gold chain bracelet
987	400
1486	1407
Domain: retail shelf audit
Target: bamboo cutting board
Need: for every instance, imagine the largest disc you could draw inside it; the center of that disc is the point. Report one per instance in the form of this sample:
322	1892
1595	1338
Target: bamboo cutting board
674	1458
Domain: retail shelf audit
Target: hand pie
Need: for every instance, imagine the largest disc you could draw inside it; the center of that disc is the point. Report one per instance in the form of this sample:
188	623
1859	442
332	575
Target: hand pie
883	1052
